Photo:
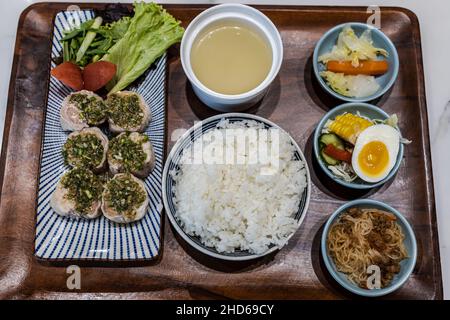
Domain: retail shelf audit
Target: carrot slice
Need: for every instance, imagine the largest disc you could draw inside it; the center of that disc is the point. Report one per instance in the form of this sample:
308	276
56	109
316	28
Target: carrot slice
366	67
96	75
69	74
338	154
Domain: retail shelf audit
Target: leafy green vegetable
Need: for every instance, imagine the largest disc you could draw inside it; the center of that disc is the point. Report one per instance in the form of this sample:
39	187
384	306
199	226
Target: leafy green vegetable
132	44
84	27
115	30
90	36
103	38
151	32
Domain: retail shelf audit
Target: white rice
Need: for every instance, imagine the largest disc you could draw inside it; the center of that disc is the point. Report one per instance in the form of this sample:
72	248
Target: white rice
239	206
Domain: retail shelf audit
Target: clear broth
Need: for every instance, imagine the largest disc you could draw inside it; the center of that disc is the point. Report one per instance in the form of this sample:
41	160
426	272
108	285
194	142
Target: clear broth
230	57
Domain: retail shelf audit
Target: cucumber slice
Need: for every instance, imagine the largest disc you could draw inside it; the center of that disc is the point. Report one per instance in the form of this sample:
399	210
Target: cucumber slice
331	138
328	160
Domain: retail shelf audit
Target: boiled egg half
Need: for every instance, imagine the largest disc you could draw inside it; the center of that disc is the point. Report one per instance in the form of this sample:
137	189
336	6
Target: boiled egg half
375	152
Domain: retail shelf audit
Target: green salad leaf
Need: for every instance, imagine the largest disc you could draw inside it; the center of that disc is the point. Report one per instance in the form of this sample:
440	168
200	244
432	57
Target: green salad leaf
102	38
117	29
150	33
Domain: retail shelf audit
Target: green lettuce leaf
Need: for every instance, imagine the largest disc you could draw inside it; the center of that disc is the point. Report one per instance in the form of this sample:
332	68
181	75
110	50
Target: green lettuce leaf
150	33
117	29
102	39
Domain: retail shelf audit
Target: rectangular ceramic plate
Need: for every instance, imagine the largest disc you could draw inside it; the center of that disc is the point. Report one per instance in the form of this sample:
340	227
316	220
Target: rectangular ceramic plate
62	238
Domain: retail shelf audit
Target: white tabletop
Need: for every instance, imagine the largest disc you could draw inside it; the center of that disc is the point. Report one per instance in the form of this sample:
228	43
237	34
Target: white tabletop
435	29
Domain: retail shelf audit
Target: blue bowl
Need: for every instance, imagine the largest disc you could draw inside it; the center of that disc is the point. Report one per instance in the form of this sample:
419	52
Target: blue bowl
407	265
380	40
365	109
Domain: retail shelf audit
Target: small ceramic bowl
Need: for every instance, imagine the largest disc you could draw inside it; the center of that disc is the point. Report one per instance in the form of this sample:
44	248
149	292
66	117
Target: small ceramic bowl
257	21
380	40
369	111
407	265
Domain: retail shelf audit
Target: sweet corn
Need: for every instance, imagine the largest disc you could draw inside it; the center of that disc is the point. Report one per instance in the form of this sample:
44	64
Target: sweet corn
348	126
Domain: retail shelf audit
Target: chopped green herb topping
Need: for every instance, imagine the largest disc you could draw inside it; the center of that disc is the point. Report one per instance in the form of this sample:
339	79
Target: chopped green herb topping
125	110
125	195
129	153
84	188
93	110
104	177
83	150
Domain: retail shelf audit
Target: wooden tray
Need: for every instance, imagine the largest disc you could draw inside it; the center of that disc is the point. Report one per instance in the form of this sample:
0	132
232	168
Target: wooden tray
295	102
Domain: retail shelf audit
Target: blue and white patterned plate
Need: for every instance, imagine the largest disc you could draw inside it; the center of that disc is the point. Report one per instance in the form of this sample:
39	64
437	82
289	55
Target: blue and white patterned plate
60	238
172	165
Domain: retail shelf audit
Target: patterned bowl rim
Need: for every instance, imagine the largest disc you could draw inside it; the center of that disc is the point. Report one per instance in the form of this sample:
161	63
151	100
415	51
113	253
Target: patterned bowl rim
176	149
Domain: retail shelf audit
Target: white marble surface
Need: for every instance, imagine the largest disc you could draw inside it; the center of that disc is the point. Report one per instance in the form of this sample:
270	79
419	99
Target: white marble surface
434	17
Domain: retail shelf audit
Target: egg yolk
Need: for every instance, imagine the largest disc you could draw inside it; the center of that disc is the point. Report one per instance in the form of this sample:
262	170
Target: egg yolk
373	158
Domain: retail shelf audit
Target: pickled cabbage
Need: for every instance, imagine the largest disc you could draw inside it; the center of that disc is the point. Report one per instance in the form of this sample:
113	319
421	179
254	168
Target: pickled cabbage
351	86
351	48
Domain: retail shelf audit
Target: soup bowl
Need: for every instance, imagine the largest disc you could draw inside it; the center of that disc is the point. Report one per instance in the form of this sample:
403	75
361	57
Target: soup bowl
258	23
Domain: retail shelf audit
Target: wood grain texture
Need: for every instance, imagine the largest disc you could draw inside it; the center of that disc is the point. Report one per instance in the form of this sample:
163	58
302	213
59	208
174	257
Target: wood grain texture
295	102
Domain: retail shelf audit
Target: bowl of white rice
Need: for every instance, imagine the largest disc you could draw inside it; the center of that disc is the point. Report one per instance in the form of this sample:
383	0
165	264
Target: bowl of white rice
236	187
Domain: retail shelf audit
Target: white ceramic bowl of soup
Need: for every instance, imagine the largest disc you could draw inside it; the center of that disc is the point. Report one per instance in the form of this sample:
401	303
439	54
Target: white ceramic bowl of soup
231	53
